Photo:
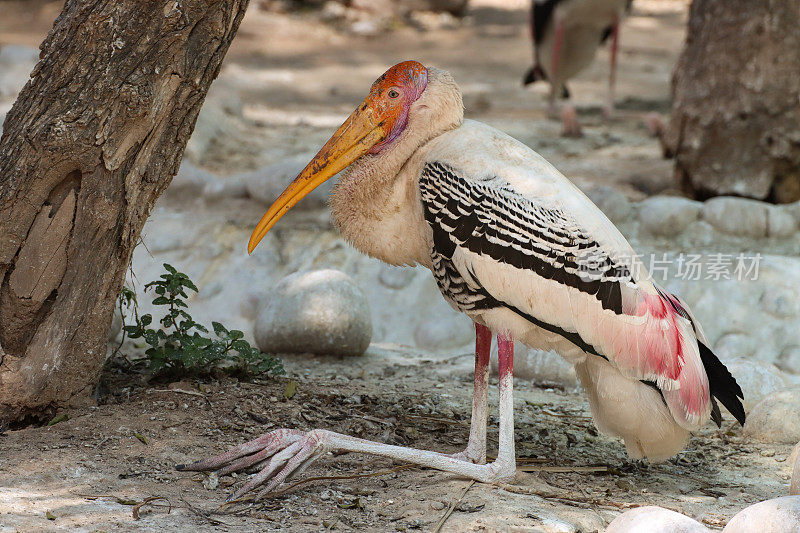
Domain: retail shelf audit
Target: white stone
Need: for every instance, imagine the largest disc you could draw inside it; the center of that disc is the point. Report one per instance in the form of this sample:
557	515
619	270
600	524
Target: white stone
779	515
789	359
666	216
776	418
116	325
757	380
193	181
737	216
794	484
780	222
611	202
396	277
542	368
320	312
444	333
652	519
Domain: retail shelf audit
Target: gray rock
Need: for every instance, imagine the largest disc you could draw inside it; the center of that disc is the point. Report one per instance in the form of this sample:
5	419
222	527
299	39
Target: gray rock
220	118
737	216
320	312
789	359
194	181
611	202
780	222
267	183
776	418
652	519
733	346
757	380
778	515
666	216
443	332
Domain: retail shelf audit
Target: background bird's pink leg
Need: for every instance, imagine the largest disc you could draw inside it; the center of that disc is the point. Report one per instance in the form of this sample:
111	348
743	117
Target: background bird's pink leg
555	85
476	448
612	75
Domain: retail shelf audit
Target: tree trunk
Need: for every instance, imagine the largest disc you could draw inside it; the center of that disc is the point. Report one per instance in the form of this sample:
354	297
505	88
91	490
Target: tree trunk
92	141
735	125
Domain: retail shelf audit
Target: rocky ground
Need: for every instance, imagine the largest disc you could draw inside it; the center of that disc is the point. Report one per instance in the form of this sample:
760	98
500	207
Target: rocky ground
288	81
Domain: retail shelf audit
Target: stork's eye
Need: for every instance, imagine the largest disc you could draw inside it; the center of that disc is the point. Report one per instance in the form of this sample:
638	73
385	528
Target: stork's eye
393	93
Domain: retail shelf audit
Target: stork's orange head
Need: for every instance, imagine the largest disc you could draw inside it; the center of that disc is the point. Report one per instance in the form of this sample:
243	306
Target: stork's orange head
376	122
391	97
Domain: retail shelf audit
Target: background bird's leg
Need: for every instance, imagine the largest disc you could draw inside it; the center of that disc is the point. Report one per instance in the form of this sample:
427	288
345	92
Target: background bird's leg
476	448
555	85
506	458
612	74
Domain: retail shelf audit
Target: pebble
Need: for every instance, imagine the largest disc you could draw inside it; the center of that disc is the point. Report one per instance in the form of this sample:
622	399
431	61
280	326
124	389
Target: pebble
737	216
16	64
320	312
192	181
652	519
611	202
776	419
779	515
666	216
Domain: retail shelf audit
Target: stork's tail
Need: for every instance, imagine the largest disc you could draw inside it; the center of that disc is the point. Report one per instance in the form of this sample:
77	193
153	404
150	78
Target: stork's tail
722	385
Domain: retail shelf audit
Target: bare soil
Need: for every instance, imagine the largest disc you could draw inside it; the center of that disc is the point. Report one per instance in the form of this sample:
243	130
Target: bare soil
88	472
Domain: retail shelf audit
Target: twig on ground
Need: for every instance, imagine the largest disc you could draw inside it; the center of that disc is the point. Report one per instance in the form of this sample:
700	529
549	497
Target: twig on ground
181	391
146	501
450	509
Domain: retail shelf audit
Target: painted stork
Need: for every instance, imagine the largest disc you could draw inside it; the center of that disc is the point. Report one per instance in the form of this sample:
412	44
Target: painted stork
518	248
566	35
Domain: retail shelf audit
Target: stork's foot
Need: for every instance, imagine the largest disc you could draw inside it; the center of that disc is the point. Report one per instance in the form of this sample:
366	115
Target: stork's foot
570	127
282	453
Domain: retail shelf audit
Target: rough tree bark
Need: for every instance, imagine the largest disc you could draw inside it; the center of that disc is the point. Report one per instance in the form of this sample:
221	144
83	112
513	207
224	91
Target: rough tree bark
92	141
735	124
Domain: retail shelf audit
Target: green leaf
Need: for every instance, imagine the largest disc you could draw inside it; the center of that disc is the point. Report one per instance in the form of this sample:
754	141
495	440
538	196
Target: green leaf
141	438
146	320
161	300
170	268
50	516
291	390
58	418
235	334
219	329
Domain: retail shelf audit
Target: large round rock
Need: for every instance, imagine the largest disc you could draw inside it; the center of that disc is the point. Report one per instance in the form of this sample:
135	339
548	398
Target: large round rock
320	312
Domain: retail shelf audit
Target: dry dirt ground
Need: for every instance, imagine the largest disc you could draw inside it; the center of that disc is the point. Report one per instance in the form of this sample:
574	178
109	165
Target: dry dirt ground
89	471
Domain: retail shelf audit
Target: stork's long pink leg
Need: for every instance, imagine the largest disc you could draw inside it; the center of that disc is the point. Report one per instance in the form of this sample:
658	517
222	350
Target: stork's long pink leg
476	448
612	74
296	454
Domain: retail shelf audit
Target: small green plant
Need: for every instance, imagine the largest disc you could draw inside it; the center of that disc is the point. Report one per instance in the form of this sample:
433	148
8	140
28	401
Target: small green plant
180	345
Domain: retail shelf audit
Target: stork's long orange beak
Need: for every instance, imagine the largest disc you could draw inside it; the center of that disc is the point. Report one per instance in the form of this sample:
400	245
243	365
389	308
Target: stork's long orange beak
360	132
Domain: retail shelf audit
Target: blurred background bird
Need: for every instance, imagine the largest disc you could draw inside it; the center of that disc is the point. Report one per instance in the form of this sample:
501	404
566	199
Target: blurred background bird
566	35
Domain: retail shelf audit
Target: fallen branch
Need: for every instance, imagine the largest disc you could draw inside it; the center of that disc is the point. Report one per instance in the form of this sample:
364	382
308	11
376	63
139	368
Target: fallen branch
450	509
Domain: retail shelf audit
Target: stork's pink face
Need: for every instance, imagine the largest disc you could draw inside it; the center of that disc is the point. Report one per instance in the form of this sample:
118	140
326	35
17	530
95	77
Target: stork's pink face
371	128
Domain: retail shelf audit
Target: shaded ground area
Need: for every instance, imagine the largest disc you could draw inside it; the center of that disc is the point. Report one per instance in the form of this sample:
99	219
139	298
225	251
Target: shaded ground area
89	470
